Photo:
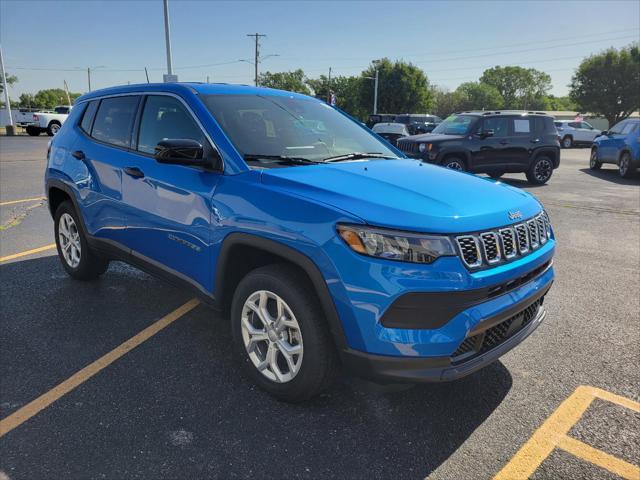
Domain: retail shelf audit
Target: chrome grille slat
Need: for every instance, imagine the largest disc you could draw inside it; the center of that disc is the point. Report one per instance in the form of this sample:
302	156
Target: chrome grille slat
497	246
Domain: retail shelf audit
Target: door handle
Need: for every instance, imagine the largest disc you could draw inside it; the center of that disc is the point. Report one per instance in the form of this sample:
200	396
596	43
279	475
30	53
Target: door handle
535	140
134	172
503	142
78	154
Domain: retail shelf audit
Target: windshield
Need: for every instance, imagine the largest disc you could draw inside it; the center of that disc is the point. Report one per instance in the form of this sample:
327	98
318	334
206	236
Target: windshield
262	126
455	125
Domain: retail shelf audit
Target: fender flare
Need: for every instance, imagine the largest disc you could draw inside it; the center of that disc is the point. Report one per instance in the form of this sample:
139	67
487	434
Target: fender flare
293	256
465	154
59	184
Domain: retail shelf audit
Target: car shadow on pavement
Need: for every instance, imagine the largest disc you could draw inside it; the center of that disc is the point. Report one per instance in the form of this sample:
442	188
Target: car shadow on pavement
612	175
520	183
181	401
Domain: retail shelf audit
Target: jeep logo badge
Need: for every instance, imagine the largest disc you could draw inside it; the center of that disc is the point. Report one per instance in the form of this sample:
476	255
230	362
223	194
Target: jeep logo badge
515	215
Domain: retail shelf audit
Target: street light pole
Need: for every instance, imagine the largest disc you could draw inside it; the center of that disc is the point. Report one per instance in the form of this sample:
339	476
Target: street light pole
7	104
375	94
167	36
89	77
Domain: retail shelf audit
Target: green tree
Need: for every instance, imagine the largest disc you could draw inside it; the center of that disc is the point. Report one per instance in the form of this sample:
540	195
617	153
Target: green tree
477	96
402	88
51	97
445	102
566	104
346	90
291	81
520	88
608	83
11	79
26	100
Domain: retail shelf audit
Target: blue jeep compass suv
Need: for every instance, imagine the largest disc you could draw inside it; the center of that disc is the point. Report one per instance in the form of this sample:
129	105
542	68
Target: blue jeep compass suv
326	246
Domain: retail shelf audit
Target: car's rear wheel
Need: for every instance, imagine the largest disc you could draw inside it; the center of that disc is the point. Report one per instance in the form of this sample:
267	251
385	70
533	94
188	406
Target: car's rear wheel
280	335
624	166
540	171
567	142
496	175
73	249
53	128
33	131
594	163
454	163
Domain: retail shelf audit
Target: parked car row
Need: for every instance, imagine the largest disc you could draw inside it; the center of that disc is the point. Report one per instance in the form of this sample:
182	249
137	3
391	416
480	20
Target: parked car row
619	145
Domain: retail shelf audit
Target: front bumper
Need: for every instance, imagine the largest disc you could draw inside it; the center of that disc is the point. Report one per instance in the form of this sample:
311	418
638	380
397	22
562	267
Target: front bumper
391	369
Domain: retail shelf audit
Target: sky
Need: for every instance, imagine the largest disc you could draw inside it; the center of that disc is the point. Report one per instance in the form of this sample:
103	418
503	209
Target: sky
47	42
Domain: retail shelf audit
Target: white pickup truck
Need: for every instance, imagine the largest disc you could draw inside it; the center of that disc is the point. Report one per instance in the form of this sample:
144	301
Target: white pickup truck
48	121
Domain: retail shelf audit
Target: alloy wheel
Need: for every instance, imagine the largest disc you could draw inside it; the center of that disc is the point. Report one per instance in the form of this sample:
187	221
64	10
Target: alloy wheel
55	128
69	239
624	164
271	336
594	159
542	170
454	165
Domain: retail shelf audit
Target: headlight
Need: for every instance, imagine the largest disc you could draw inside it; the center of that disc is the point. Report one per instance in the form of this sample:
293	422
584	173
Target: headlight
393	245
422	147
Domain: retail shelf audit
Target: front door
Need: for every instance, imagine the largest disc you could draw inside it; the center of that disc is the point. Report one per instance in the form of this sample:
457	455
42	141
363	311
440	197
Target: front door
169	206
491	152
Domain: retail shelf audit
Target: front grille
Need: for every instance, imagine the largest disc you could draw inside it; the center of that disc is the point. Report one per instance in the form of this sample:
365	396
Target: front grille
523	238
495	246
470	251
408	147
494	336
491	247
508	237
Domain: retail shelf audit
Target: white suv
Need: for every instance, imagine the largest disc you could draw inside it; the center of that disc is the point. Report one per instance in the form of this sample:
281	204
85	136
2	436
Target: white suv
575	133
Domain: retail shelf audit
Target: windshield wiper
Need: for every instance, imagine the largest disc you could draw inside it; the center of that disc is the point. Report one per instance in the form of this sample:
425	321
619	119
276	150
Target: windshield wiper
357	156
280	159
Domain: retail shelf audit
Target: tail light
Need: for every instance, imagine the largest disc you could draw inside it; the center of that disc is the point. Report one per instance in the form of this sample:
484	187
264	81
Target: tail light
35	118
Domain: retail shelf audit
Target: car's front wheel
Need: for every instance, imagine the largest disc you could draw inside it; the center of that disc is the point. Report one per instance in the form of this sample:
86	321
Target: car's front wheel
53	128
280	335
454	163
624	166
567	142
73	249
594	163
540	171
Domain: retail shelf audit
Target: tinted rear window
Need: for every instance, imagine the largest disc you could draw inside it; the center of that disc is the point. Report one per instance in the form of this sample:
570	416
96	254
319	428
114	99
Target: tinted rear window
114	120
88	116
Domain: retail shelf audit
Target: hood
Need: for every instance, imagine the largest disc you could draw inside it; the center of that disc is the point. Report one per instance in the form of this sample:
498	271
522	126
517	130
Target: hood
407	194
435	137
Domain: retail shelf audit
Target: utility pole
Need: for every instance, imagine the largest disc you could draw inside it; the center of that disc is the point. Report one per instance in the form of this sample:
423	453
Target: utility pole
89	77
7	103
169	77
375	94
146	73
66	89
257	53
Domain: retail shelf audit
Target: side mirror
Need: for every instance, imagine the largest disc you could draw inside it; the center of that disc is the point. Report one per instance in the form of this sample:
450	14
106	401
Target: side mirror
185	151
486	133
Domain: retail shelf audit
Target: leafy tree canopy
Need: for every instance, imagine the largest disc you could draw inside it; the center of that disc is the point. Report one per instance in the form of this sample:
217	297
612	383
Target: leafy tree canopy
291	81
520	88
608	83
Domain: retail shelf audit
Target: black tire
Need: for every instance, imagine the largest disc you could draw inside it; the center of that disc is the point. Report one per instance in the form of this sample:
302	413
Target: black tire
53	128
319	359
455	163
90	265
567	141
496	175
625	167
594	164
540	170
33	131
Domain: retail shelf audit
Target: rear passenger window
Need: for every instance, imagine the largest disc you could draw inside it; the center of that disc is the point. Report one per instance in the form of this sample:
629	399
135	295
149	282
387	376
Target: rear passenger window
114	120
521	126
165	117
499	125
88	116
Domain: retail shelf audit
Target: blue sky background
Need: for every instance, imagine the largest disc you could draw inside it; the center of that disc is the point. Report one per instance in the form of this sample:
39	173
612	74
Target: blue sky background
452	42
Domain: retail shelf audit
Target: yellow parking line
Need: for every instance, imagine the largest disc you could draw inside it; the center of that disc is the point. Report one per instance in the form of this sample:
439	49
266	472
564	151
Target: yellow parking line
23	200
554	433
598	457
27	252
25	413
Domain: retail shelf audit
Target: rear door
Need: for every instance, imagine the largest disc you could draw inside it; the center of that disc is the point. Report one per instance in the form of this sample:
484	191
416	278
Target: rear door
103	146
169	206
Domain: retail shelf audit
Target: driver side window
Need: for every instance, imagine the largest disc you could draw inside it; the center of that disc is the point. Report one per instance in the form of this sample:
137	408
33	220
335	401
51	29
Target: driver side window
165	118
499	125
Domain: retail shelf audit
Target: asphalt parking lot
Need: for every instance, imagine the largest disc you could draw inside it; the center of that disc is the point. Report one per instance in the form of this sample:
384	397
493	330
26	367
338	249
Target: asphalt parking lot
172	404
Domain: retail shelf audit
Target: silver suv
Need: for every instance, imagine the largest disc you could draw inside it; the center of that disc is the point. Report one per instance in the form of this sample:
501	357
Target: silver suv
575	133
